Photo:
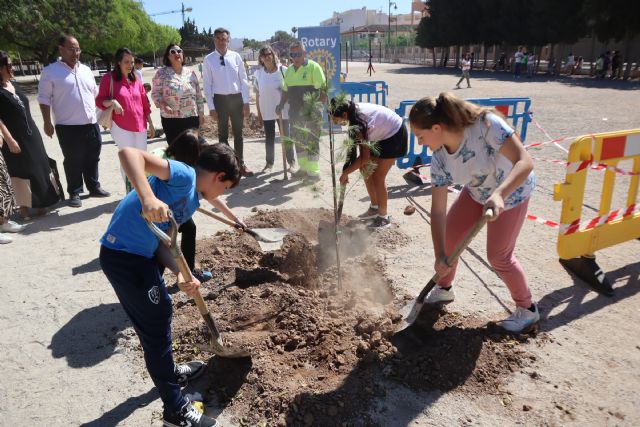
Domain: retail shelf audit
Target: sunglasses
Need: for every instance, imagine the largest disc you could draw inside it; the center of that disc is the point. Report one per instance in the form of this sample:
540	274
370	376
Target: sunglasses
267	54
175	51
222	61
295	54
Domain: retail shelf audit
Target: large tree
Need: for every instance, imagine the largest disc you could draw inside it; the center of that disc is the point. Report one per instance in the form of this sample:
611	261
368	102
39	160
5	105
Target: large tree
33	26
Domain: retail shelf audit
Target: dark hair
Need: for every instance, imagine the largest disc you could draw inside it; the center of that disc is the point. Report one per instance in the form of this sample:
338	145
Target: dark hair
185	147
221	31
447	110
120	53
63	38
138	60
4	61
147	86
220	158
165	58
355	117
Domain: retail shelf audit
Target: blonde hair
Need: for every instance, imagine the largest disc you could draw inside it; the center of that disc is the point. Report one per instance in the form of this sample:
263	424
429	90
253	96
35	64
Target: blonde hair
447	110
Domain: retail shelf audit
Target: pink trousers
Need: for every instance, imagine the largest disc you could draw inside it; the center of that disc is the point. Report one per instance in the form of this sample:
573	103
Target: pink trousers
501	240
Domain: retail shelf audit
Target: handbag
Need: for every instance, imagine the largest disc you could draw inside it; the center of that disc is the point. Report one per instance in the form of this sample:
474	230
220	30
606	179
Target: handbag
105	117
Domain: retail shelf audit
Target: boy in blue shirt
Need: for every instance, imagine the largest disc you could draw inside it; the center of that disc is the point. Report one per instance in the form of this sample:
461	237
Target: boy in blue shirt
132	259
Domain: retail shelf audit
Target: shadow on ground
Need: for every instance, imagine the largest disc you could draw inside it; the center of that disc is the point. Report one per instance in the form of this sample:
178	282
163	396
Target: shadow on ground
626	282
90	337
115	416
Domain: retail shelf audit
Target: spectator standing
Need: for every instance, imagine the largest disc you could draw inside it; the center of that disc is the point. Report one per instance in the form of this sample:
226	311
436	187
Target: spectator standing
302	77
138	64
531	63
131	111
571	63
517	61
616	64
226	89
176	91
26	158
268	83
578	67
7	202
465	66
607	64
68	88
600	70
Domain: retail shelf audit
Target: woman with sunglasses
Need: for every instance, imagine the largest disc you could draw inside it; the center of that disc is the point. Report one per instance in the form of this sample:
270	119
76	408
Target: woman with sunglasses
176	92
23	150
268	82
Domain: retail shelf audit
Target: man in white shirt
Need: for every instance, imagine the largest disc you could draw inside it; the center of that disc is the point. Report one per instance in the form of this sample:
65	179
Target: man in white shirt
138	64
226	89
69	89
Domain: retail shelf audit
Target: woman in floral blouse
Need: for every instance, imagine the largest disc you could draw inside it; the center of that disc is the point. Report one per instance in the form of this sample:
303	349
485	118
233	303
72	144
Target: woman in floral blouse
176	92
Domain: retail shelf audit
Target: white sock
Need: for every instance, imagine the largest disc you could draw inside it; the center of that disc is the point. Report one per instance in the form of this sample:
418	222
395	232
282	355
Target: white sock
374	207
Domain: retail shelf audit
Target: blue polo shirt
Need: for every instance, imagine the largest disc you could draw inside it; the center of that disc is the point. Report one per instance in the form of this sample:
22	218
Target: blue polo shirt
128	231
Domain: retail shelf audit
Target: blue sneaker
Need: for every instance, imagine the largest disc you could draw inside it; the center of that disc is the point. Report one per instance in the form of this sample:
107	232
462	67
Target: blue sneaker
202	275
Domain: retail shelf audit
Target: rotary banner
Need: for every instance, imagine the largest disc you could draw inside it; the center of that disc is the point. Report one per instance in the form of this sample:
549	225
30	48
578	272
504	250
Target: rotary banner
323	46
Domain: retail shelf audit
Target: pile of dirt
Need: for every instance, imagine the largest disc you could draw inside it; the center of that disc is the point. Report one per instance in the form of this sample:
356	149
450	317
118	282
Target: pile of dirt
253	128
321	355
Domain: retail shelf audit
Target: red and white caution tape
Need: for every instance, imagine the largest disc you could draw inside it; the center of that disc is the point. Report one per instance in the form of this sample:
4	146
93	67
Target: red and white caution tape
573	167
543	221
600	220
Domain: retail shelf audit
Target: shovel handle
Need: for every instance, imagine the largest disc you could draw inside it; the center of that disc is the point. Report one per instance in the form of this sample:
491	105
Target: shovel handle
284	155
220	218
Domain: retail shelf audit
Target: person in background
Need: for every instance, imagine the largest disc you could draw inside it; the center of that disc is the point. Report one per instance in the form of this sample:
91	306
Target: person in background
138	64
67	88
176	91
226	89
302	77
131	110
153	131
475	147
186	148
465	66
382	127
26	159
7	199
268	83
531	63
517	62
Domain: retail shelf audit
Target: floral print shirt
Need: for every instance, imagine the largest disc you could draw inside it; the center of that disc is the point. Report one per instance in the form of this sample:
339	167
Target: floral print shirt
181	92
478	165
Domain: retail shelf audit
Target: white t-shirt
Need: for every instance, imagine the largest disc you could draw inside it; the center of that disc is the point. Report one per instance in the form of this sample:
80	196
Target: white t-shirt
478	165
269	87
382	123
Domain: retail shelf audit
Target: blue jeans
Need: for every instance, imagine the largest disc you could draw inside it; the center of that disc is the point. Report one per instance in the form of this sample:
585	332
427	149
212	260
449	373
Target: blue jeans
142	292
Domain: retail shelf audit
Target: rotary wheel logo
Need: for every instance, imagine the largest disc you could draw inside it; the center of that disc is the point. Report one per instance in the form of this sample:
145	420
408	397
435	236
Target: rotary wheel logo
326	61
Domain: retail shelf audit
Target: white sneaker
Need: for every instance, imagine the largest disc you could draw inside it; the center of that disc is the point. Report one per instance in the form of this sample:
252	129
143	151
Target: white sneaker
521	321
440	296
11	227
5	239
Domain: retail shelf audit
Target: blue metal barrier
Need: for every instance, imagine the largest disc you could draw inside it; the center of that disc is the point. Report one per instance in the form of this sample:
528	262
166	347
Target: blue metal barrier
376	89
517	110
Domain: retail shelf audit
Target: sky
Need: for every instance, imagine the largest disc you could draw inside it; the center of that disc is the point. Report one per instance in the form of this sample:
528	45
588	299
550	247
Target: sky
260	19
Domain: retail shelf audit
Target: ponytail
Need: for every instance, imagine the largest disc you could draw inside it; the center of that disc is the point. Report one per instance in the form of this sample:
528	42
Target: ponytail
446	110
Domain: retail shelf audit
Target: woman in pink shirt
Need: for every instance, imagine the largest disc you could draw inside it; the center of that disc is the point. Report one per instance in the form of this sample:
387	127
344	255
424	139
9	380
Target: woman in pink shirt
131	111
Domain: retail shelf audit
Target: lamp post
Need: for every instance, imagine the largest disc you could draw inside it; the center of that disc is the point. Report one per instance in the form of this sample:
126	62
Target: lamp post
389	23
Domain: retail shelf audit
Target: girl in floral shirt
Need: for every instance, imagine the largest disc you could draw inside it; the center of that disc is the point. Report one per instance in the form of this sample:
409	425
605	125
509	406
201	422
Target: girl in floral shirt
176	91
475	147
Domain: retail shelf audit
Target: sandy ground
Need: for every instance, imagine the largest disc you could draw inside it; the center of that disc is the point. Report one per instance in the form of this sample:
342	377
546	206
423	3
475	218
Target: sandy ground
63	330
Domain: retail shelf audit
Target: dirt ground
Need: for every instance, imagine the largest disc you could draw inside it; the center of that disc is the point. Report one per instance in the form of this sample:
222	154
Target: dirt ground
323	356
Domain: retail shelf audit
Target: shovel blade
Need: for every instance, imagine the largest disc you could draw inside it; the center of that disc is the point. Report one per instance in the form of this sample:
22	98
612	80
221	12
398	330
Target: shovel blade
409	314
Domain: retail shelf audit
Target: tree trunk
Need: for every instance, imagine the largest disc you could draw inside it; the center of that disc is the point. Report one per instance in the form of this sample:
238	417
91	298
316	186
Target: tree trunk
484	57
551	59
434	57
627	57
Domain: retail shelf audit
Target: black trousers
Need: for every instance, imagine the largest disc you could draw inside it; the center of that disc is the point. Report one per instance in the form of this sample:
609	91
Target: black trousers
81	146
174	126
270	139
230	106
188	242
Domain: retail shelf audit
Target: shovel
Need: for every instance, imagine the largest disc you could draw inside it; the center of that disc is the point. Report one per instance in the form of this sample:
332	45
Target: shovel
282	144
217	345
411	311
269	239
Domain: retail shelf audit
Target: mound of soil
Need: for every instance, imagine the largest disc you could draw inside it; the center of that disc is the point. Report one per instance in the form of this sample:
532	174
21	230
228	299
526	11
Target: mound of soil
321	355
253	128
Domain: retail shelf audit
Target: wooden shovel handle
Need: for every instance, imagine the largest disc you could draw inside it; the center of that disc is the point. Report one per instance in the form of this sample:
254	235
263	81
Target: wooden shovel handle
219	218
